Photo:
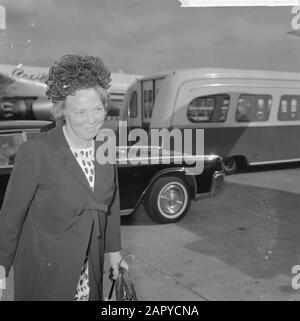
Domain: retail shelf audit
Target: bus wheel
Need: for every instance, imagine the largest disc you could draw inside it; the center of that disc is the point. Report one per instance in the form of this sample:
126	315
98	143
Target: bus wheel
230	165
168	200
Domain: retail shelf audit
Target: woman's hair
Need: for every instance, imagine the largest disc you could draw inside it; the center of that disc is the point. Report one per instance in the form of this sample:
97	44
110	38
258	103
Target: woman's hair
75	72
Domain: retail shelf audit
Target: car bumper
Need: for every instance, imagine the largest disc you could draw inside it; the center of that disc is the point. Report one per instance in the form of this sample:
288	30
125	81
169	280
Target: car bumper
216	185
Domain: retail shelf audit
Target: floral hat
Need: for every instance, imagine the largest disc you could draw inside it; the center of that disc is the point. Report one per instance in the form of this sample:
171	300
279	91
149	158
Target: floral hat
73	72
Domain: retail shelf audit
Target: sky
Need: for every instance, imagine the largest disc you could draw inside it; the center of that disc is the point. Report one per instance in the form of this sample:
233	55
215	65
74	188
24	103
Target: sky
148	36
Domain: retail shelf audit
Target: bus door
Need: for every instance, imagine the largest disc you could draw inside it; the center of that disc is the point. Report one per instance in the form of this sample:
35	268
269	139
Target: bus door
147	102
253	111
150	89
286	127
134	111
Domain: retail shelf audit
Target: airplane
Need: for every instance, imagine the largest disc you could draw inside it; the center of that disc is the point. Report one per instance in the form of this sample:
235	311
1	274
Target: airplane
22	92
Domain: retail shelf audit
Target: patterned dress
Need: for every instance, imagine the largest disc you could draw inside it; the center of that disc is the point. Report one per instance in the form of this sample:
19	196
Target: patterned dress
85	158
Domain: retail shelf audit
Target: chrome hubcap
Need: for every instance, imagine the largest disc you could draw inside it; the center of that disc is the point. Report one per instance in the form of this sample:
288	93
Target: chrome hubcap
171	199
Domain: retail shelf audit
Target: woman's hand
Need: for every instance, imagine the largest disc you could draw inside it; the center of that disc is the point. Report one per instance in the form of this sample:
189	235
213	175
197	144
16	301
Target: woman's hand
115	258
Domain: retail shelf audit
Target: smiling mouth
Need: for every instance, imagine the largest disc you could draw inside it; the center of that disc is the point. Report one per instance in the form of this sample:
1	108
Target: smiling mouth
91	128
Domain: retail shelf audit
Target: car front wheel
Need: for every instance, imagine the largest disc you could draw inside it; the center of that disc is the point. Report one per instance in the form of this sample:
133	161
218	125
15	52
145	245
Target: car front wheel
168	200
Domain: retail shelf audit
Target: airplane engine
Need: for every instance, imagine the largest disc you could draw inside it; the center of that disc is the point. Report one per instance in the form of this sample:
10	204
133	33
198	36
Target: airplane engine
14	108
42	109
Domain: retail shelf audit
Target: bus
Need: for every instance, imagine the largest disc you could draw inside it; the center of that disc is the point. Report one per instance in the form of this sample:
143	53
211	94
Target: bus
249	117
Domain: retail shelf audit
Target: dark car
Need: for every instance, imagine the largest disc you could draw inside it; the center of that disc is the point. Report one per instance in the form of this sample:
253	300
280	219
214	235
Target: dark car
165	189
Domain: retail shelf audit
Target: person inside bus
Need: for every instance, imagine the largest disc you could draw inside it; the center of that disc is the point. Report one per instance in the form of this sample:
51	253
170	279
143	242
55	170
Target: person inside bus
61	209
243	112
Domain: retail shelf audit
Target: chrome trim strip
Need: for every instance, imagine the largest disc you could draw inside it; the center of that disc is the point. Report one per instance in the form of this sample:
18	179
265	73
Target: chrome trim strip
218	175
126	212
202	195
6	166
276	161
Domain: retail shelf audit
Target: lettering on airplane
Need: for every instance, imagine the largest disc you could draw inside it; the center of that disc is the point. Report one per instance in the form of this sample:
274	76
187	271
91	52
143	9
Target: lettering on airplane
19	72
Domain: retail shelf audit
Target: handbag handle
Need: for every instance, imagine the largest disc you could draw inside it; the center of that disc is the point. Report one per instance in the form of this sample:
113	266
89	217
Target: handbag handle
111	289
114	281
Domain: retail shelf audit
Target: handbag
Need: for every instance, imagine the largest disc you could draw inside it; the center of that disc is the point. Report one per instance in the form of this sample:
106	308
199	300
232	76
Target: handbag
123	286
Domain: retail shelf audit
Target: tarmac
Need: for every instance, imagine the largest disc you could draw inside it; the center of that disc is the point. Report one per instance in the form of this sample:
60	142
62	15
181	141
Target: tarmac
240	245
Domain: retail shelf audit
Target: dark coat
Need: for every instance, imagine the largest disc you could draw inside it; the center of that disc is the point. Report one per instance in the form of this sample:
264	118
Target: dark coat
50	217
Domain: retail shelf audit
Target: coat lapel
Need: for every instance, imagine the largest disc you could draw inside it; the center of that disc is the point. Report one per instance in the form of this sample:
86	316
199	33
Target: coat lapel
98	168
105	179
71	165
62	153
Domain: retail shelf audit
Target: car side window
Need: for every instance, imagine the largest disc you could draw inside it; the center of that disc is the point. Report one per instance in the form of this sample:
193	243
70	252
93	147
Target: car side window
9	145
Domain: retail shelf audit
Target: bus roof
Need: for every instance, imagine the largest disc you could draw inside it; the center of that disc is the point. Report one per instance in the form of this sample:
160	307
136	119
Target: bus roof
192	73
121	81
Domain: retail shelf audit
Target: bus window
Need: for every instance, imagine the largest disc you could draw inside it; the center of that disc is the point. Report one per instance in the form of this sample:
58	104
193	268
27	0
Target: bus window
200	109
150	104
283	110
145	104
148	88
289	108
253	108
243	111
133	105
294	108
224	105
208	108
114	109
156	86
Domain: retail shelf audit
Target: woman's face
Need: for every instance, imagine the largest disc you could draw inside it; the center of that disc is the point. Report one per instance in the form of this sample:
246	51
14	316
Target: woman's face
84	113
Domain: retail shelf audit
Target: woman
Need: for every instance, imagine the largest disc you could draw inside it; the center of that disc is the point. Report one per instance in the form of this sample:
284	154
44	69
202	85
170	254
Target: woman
61	209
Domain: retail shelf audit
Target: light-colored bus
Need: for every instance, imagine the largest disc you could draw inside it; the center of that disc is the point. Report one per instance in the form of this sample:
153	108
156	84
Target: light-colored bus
250	117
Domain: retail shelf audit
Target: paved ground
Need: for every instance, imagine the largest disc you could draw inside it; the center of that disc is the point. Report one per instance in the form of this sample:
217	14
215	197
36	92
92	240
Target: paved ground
240	245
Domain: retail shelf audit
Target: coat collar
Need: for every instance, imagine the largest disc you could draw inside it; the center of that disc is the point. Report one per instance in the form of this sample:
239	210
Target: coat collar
61	152
58	143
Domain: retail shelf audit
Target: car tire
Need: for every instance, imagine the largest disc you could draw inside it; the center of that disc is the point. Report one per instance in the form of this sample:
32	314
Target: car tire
230	165
168	200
